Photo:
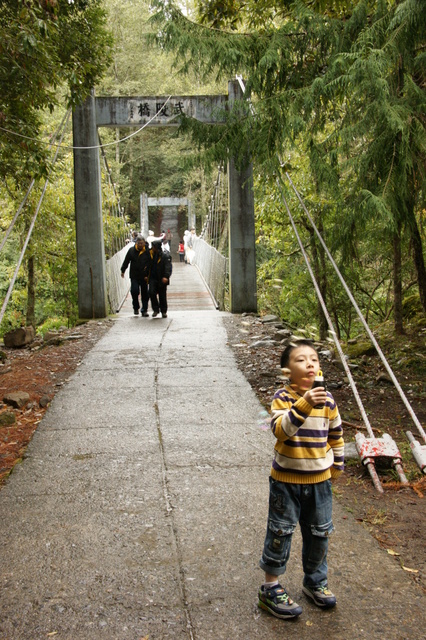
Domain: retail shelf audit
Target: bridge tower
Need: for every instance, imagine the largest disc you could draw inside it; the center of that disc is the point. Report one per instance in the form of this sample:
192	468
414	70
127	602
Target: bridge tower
135	112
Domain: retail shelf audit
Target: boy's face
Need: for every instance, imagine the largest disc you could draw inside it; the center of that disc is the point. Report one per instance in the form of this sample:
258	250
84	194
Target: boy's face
303	365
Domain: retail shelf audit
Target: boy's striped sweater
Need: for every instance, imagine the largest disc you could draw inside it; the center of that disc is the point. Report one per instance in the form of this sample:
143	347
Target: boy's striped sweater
309	446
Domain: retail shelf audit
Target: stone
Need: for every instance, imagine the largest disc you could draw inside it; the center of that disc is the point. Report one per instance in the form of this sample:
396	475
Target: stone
44	401
383	377
7	418
17	399
281	334
50	335
269	318
263	343
19	337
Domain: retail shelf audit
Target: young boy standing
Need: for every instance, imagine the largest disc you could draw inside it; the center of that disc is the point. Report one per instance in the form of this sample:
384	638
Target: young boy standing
308	453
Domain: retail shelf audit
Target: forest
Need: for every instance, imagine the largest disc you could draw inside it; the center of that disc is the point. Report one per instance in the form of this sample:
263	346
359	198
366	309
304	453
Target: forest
334	100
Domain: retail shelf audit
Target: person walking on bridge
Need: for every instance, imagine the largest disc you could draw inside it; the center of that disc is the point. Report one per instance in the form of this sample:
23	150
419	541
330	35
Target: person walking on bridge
139	259
159	278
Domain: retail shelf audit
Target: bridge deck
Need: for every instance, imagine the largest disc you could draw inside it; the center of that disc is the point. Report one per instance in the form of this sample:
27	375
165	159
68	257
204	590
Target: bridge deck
187	290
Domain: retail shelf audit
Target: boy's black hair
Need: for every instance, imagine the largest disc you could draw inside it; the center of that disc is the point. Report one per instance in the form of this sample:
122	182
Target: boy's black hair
285	356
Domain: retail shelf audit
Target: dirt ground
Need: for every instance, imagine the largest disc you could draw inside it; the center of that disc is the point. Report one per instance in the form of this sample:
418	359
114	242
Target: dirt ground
395	518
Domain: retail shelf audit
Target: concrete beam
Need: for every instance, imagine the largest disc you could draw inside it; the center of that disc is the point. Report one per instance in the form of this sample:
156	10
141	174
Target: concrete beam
122	111
167	202
92	294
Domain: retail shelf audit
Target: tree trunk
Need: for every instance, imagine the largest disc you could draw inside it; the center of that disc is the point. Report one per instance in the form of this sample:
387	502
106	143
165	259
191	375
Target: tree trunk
318	260
397	284
419	263
30	318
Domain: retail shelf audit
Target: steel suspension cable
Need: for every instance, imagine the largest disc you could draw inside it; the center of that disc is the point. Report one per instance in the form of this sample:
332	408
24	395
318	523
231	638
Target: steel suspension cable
31	227
351	298
21	206
107	144
332	330
360	315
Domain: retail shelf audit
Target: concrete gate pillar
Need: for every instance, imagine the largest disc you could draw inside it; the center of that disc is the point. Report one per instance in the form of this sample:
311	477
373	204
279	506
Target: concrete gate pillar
144	222
242	245
92	294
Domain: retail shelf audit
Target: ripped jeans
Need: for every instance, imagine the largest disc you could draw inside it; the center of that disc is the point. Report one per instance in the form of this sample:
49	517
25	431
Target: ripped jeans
311	505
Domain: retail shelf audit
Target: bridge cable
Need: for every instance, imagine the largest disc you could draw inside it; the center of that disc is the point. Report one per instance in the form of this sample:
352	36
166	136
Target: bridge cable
360	315
96	146
30	230
332	330
21	206
351	298
115	204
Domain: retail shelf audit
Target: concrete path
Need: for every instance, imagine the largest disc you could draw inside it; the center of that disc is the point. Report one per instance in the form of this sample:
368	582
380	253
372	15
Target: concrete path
140	509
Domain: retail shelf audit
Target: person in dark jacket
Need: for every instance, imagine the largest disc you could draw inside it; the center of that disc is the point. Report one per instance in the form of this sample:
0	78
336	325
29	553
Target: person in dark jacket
159	278
139	259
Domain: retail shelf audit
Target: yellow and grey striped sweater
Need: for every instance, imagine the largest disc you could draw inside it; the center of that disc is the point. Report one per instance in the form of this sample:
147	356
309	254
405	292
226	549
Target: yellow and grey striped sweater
309	446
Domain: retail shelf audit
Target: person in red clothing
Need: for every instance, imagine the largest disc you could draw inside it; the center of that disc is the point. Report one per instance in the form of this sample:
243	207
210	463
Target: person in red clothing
181	251
309	451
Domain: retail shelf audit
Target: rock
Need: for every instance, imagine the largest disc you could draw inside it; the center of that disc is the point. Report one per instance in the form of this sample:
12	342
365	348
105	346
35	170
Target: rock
335	385
7	418
281	334
50	335
360	349
19	337
3	356
383	377
17	399
338	364
269	318
263	343
44	401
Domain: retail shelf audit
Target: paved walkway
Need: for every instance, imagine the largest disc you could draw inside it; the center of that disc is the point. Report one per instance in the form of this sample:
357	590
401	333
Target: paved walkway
140	509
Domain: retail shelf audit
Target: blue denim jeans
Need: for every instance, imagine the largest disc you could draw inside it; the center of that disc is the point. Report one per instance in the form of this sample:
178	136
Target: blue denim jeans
311	506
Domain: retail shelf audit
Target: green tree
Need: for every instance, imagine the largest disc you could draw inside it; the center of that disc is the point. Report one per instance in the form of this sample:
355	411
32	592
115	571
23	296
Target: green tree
44	46
342	84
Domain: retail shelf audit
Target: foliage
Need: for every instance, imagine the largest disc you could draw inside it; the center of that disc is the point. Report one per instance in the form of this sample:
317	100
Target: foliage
44	45
343	86
158	162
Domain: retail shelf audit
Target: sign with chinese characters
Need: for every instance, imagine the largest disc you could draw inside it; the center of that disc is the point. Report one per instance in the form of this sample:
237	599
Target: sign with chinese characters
159	111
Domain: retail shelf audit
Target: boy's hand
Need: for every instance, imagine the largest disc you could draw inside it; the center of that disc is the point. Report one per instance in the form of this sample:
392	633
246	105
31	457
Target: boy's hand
316	396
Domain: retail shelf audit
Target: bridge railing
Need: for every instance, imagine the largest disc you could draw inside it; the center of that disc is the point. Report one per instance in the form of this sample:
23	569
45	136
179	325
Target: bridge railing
213	267
117	287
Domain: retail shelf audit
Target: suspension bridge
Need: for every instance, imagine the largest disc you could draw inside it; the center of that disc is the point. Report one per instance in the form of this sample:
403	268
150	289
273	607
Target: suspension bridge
140	508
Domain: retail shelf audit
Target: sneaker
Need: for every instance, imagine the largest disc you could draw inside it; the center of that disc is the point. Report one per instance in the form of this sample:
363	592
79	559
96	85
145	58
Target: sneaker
155	314
278	602
321	595
164	315
144	314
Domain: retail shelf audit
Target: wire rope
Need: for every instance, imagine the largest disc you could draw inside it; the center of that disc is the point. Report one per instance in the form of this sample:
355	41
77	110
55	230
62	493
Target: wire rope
21	206
332	330
31	227
360	315
96	146
351	298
